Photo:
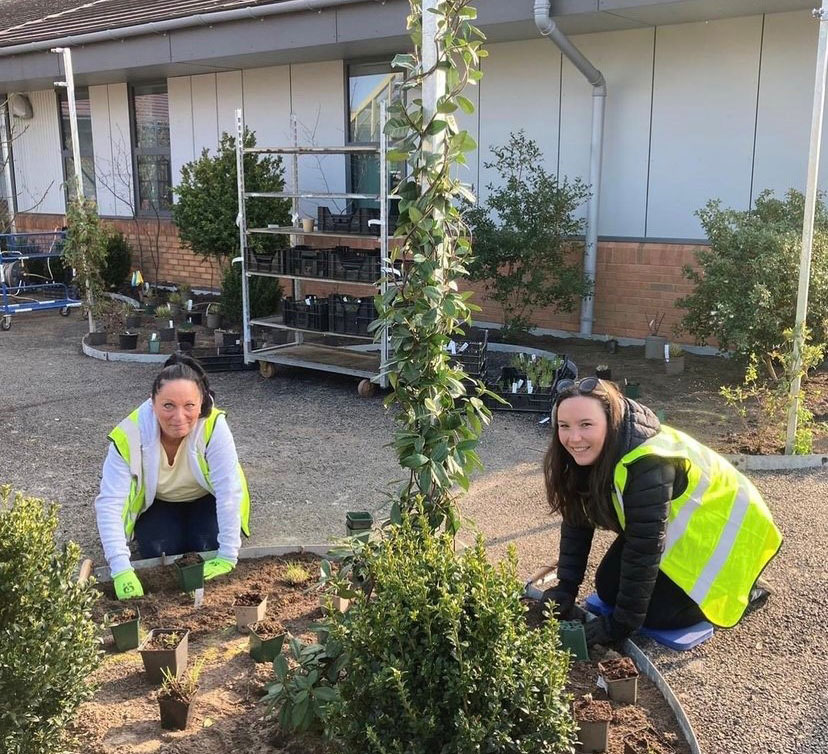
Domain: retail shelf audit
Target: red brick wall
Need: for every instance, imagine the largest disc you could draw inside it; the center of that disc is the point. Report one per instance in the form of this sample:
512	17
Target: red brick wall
634	281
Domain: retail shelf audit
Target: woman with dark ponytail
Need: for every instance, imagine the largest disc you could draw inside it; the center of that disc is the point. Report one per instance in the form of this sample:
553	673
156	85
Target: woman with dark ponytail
172	479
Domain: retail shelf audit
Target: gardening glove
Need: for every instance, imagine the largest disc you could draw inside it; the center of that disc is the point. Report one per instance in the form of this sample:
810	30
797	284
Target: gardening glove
217	567
127	585
603	630
563	602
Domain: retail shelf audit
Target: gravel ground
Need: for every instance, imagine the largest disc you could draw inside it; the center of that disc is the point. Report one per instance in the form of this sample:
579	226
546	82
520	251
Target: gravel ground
313	449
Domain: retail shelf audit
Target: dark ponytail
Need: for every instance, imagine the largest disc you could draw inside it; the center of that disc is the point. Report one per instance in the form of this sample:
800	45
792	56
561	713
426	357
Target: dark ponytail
182	367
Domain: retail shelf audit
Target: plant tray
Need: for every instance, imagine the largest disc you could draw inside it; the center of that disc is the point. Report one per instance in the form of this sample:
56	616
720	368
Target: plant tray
355	264
308	316
351	316
308	262
538	403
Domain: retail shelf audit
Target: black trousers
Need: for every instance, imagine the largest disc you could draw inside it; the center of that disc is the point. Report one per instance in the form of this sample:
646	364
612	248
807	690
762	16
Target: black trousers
670	607
177	528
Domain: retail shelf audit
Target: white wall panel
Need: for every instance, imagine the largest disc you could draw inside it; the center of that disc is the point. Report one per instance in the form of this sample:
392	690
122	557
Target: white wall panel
786	92
38	157
180	103
471	123
704	112
520	90
228	99
121	144
626	60
266	93
205	113
102	145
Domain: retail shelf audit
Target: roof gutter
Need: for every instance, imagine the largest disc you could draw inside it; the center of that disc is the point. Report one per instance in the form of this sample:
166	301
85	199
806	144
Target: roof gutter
548	28
173	24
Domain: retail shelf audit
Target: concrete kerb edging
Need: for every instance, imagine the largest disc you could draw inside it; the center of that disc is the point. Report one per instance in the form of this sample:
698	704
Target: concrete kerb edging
645	665
777	463
139	358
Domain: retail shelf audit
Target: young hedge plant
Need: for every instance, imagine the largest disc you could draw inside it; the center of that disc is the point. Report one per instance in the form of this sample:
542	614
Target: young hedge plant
49	643
440	658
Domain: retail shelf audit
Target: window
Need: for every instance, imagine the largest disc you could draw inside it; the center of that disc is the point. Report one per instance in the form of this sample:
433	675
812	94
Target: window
84	113
151	116
368	86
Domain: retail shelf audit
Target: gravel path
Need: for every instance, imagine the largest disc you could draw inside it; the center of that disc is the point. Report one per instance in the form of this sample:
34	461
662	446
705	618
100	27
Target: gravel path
313	449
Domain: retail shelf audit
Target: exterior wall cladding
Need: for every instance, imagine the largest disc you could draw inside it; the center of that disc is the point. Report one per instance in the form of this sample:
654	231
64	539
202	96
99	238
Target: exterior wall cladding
635	281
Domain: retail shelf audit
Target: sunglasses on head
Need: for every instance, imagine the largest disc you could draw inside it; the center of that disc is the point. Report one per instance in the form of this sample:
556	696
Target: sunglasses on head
584	386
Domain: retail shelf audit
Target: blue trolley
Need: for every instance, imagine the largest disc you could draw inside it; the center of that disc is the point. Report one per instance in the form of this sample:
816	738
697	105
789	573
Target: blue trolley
32	276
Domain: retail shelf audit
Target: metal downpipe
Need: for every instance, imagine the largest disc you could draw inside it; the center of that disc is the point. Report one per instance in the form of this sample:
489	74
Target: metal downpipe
548	28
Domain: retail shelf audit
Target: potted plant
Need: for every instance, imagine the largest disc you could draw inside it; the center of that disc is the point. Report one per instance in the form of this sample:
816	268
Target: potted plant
646	741
675	364
265	640
358	523
250	607
128	341
194	317
134	318
213	315
165	648
186	334
175	698
654	343
96	338
573	638
174	303
619	677
189	570
603	372
593	718
125	625
632	389
154	344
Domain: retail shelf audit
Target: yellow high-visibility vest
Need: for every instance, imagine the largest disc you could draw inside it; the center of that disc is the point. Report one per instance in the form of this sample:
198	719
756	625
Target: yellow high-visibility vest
720	534
127	439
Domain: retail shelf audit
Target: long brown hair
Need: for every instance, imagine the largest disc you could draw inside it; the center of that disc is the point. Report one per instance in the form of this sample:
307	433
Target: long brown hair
583	499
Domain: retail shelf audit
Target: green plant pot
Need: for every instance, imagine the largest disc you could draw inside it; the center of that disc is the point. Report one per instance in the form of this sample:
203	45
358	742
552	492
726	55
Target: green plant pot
359	523
632	390
572	638
154	346
127	634
265	650
190	577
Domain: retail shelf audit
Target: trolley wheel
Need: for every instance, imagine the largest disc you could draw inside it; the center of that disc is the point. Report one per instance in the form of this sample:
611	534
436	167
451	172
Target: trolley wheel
5	324
366	388
267	369
64	312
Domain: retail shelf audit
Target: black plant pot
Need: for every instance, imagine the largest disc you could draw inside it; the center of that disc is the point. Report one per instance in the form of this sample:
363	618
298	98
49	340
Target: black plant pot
187	336
96	338
194	318
167	334
603	374
175	713
128	341
133	321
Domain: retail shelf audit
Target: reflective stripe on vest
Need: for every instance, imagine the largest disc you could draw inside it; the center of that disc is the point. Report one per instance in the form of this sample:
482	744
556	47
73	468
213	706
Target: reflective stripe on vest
720	534
127	436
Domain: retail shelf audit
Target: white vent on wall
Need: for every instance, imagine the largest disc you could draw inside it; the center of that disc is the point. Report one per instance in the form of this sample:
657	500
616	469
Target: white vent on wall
20	106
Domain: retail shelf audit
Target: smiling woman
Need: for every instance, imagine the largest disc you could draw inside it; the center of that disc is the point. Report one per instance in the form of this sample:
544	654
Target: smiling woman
172	479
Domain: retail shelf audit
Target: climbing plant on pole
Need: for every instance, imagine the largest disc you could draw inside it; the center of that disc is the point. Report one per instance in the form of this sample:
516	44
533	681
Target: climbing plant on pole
438	420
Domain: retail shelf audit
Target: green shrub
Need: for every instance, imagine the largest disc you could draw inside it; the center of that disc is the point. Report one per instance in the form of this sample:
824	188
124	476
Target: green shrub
745	294
265	295
441	658
524	236
118	262
48	641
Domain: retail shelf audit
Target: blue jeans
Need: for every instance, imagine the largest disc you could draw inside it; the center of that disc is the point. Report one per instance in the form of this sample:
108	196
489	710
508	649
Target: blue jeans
177	528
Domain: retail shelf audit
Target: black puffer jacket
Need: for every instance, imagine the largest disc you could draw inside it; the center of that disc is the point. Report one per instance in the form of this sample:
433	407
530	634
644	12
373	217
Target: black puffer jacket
651	484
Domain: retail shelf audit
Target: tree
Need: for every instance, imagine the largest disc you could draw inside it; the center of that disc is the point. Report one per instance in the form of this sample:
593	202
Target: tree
207	205
524	236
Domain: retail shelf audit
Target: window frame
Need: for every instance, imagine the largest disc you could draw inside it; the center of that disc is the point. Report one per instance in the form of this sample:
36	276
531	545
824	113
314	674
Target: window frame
66	152
137	151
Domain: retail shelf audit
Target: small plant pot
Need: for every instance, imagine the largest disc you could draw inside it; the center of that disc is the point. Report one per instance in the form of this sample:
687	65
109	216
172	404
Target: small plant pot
307	224
573	638
167	335
190	573
133	321
126	632
128	341
592	718
194	318
632	390
186	336
154	346
173	660
674	366
654	347
603	374
620	679
264	643
175	713
96	338
247	614
225	338
359	523
213	321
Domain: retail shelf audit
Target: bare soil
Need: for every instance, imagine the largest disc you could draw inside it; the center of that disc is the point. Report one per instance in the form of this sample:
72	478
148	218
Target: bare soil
589	710
616	670
248	599
267	629
189	559
163	640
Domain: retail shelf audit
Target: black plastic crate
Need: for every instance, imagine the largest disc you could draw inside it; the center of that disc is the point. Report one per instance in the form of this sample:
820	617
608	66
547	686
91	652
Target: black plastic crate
350	315
268	262
537	403
308	262
471	355
310	313
358	265
337	222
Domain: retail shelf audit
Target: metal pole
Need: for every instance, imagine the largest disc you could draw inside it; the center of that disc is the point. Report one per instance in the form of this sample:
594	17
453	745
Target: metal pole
5	158
808	221
386	263
241	220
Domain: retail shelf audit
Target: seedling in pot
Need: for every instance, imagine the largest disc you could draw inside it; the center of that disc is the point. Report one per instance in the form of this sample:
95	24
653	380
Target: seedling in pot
250	607
619	678
165	648
593	718
175	698
266	639
125	626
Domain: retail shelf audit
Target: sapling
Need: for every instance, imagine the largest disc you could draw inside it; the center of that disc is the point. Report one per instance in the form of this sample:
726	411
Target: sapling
295	574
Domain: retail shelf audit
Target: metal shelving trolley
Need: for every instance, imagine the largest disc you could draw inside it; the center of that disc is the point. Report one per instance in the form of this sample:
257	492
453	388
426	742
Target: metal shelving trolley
29	275
320	334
